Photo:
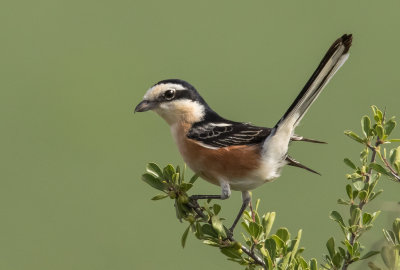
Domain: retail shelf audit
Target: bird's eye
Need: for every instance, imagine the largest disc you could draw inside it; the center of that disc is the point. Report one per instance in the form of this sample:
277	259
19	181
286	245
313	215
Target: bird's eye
169	94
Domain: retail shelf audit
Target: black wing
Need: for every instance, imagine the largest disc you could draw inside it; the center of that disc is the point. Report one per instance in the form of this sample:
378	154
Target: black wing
227	133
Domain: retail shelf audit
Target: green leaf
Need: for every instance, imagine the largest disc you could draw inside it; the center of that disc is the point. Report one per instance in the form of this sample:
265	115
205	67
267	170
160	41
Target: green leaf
379	131
302	263
349	191
364	155
231	252
267	222
257	218
184	237
366	125
353	176
396	165
355	214
349	163
337	260
285	260
378	115
330	245
257	204
394	140
390	237
355	193
194	178
247	216
390	257
182	209
396	229
369	254
296	243
283	234
154	169
353	136
180	174
176	178
153	181
179	212
394	155
375	215
168	172
199	231
218	227
389	126
356	248
367	218
342	251
185	186
337	217
395	158
378	168
255	230
341	201
372	266
208	230
216	208
359	185
159	197
268	259
349	247
270	245
279	243
211	243
362	195
313	264
375	194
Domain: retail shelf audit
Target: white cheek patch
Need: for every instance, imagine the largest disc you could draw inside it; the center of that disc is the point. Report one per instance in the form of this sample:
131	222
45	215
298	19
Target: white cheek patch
181	110
189	109
155	91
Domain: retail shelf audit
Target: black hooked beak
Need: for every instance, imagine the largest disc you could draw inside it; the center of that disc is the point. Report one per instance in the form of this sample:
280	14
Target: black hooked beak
145	105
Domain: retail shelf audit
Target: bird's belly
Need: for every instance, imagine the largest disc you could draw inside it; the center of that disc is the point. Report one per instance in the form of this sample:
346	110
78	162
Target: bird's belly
238	165
242	166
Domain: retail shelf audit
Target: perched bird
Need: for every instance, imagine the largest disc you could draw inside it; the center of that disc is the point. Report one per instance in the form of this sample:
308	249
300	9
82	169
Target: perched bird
235	155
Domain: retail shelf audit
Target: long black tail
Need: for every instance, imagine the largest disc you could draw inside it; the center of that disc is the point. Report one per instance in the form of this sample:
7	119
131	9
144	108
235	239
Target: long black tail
332	61
276	144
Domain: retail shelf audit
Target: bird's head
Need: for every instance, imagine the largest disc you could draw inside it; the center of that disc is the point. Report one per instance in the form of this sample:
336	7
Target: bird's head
175	101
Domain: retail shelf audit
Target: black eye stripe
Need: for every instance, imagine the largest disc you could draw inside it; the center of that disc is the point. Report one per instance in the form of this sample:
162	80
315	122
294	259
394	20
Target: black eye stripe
185	94
177	94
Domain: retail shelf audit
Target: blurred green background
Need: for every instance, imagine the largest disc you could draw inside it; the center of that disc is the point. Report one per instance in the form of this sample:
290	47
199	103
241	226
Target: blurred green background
72	151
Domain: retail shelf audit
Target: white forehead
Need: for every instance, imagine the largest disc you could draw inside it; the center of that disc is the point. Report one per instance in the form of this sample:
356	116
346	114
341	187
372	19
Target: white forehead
158	89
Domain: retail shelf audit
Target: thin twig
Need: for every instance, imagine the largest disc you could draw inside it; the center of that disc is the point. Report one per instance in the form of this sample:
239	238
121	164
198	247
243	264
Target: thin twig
256	259
392	171
195	206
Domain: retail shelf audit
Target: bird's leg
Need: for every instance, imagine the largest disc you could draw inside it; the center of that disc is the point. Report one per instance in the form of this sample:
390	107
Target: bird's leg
246	198
225	194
